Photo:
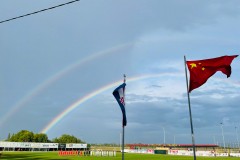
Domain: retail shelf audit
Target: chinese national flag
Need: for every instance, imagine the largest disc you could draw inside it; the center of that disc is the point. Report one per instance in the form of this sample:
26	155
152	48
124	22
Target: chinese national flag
201	70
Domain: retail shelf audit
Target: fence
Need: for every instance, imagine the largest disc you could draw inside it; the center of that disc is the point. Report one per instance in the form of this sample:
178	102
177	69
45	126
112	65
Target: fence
103	153
212	153
99	153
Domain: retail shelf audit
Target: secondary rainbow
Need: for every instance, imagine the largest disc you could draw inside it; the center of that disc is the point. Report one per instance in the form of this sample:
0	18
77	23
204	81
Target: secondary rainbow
39	88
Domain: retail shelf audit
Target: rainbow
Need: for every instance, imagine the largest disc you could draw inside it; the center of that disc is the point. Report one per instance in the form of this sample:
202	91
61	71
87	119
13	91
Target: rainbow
94	93
39	88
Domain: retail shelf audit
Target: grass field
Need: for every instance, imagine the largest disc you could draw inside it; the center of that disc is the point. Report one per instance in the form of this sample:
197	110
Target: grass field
128	156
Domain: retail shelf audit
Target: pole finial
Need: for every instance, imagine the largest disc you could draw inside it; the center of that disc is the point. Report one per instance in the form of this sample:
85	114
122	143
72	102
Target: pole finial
124	78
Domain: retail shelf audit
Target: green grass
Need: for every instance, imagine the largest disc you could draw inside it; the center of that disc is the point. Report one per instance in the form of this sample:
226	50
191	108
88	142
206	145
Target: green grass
128	156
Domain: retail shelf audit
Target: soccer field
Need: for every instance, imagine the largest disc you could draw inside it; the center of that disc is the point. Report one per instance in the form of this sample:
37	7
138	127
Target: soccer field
55	156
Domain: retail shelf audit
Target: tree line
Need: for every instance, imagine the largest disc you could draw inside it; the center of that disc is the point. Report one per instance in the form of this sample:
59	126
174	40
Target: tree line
28	136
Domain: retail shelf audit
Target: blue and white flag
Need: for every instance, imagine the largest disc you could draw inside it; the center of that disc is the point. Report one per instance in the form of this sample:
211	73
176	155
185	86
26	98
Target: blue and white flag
118	93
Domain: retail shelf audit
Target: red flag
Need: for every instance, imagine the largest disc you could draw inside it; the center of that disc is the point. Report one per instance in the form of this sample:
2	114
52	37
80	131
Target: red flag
201	70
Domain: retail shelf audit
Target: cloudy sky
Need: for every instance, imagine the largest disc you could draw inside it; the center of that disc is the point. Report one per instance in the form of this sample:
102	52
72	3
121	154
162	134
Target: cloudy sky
74	56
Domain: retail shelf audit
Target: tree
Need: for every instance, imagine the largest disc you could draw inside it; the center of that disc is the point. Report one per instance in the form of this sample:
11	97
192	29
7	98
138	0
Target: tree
40	137
22	136
9	136
27	136
65	138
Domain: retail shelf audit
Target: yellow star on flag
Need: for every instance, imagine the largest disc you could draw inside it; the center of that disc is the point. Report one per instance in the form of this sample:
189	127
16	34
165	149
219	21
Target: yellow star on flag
193	65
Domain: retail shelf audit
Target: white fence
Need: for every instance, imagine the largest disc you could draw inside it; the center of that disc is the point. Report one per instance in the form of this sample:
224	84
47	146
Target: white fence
146	151
27	145
103	153
34	145
76	145
201	153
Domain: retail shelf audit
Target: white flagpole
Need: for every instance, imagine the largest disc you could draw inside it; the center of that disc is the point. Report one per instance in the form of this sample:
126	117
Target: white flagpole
124	80
190	112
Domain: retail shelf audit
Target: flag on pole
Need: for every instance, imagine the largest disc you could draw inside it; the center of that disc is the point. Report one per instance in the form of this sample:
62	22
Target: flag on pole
201	70
118	93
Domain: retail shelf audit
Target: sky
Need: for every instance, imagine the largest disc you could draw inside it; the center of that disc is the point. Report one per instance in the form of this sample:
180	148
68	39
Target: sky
59	67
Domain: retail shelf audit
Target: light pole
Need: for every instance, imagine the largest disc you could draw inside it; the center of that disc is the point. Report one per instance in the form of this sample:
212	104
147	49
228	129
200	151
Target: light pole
237	136
163	135
223	135
174	139
214	139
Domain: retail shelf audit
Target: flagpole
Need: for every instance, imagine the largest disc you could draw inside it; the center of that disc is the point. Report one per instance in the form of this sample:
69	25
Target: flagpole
190	112
123	143
124	80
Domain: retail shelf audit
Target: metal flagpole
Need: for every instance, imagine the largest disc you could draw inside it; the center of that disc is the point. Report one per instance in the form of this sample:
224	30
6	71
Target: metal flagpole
223	135
124	80
123	143
237	137
190	112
